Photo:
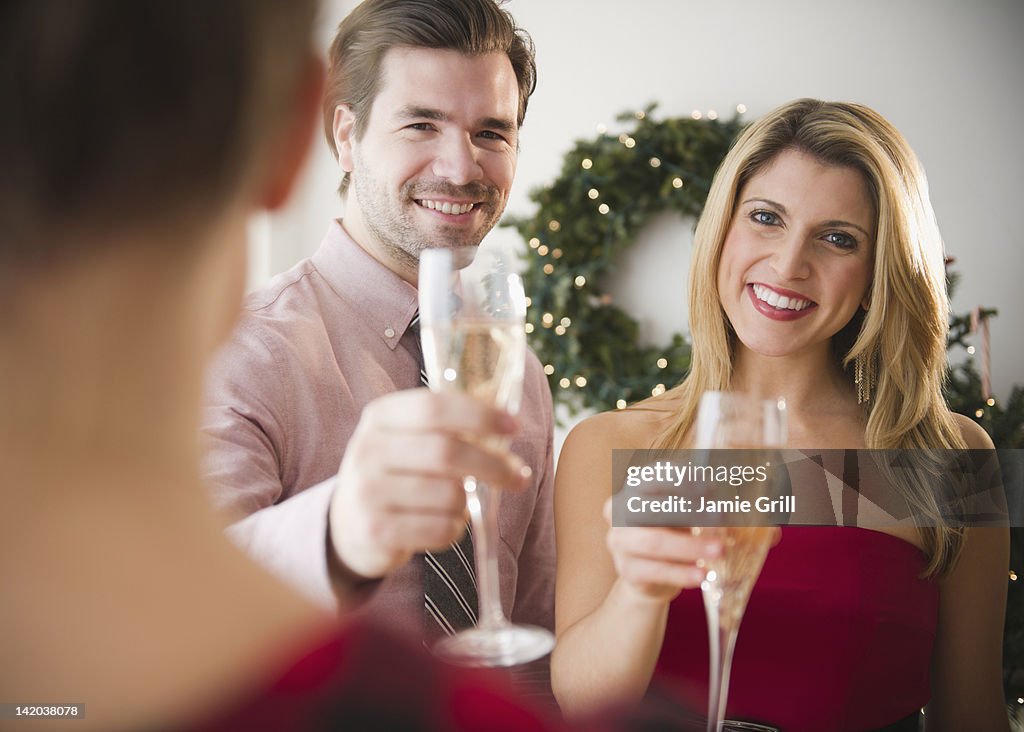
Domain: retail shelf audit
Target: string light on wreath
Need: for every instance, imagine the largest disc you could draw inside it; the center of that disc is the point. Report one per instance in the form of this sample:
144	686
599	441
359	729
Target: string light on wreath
609	188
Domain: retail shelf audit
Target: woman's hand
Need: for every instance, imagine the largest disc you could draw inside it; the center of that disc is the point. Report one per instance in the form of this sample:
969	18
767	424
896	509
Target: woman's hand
657	563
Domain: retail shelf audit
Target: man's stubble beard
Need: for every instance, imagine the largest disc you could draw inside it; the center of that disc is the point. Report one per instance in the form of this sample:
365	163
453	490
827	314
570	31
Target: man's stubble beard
391	222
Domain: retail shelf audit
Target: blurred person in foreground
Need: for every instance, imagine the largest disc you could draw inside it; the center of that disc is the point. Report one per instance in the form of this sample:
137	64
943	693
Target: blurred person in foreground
136	140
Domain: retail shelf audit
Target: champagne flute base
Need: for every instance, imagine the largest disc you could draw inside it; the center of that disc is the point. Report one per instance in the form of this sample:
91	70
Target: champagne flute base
508	645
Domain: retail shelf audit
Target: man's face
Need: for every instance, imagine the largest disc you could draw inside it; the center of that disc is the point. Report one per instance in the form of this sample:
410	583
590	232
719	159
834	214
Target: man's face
435	164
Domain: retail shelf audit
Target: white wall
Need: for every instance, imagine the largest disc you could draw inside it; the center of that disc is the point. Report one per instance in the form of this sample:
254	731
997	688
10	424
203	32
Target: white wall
941	70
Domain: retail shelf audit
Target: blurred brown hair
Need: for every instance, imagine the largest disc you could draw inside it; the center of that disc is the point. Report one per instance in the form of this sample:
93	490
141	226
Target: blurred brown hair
120	112
473	27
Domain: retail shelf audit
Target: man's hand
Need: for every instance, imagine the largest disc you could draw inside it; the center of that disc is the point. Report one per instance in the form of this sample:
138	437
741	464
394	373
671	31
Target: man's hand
399	490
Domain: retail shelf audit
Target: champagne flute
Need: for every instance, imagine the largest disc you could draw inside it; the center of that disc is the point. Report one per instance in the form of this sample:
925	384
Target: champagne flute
745	426
472	318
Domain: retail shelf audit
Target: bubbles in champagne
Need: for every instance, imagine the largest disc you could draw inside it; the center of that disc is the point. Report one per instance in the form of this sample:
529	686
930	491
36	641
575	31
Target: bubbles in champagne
731	577
481	357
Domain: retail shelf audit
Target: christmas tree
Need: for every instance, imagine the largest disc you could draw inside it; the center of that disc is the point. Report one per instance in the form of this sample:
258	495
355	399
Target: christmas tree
968	392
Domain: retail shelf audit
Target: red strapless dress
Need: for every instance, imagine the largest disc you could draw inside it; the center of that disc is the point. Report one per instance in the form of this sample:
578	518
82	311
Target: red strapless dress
838	635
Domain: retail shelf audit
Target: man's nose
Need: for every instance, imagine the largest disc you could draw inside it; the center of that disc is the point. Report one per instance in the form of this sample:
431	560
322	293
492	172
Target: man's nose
457	161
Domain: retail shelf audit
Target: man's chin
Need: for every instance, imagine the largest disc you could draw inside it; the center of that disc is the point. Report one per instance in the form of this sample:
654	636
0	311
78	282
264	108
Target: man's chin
452	242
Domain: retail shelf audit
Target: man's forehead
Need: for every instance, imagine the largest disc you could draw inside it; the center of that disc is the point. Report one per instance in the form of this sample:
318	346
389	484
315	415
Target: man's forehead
434	78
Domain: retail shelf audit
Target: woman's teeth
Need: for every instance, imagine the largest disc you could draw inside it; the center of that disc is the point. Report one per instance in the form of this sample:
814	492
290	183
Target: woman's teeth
768	295
447	207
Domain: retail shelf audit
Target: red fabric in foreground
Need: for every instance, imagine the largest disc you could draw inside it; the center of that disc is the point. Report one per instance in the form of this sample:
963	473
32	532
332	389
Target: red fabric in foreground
363	678
838	635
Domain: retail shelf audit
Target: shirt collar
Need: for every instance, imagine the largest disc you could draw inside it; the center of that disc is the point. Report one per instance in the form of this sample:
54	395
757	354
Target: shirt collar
386	301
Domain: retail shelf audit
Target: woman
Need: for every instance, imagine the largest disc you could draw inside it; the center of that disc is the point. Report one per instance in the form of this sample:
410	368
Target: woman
136	140
817	277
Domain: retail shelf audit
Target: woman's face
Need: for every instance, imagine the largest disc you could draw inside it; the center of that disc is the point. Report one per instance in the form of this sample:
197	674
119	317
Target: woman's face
797	259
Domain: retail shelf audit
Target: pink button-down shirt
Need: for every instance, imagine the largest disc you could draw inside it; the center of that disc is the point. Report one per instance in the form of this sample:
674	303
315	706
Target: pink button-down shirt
284	396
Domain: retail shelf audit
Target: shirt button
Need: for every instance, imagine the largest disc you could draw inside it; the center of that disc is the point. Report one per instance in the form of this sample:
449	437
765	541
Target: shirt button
389	332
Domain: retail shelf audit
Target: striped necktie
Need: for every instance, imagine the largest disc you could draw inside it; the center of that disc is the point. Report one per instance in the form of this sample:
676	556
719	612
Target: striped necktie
449	576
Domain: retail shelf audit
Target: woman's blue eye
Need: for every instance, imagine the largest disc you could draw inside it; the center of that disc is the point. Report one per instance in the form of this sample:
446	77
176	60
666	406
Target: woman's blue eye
764	217
841	240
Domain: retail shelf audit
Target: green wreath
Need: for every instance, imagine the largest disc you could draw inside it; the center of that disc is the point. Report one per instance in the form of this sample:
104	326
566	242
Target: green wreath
610	188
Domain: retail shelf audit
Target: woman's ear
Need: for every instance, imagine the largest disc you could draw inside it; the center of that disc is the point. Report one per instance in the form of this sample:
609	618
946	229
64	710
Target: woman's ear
344	133
292	144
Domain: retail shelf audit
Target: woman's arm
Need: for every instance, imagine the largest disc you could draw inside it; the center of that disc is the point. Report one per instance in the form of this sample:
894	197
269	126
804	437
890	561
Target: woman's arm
967	664
613	586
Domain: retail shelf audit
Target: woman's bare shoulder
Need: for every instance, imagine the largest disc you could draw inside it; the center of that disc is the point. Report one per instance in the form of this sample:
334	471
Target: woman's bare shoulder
973	433
635	427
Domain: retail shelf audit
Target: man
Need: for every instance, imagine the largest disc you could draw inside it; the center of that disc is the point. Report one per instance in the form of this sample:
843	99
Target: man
423	108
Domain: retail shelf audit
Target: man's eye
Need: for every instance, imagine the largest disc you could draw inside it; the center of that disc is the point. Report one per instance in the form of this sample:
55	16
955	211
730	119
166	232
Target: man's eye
421	126
491	135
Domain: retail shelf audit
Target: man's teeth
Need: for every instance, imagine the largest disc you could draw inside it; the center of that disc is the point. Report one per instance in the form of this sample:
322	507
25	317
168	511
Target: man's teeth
447	206
765	294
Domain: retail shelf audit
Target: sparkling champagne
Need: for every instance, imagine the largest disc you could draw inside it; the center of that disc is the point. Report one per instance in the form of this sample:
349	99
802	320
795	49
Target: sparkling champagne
479	357
472	318
730	577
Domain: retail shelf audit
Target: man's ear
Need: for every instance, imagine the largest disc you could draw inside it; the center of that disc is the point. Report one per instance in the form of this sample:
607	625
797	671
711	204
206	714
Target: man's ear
294	140
344	135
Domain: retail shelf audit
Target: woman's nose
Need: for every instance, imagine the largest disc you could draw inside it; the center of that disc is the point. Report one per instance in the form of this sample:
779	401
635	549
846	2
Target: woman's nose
790	258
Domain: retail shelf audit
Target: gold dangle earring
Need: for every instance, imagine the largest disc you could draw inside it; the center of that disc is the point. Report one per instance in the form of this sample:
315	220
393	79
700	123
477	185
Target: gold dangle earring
864	371
864	377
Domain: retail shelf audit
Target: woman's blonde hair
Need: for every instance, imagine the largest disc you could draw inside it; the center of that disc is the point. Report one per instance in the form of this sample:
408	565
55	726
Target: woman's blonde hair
906	324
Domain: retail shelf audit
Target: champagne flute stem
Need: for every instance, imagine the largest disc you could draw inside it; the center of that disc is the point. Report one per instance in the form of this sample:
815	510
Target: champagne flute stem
484	520
722	637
